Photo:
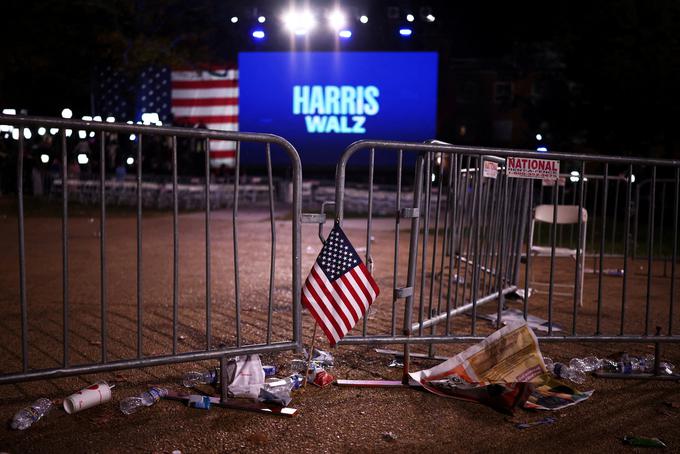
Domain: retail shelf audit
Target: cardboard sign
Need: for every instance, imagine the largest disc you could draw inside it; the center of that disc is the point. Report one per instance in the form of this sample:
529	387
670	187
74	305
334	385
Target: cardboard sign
542	169
490	169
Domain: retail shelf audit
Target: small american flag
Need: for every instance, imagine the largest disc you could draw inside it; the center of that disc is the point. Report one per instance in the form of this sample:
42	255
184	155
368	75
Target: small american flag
210	99
339	288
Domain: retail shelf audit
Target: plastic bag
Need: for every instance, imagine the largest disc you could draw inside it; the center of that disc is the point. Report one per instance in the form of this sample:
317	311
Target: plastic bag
245	376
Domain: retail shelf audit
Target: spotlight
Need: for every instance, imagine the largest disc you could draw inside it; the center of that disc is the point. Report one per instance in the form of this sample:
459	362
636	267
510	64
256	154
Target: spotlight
9	111
133	137
130	160
363	19
27	133
234	19
53	131
44	158
83	159
41	131
410	17
299	23
97	118
574	176
542	149
151	118
405	31
82	134
539	137
336	20
429	18
345	34
87	118
110	120
92	134
66	113
15	134
262	19
258	34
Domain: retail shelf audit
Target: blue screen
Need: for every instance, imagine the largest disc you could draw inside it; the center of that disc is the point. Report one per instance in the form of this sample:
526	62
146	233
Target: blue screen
323	101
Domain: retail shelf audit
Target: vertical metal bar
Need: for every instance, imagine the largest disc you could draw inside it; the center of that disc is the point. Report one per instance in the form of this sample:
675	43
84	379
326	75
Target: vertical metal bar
529	240
661	250
650	248
475	269
272	264
433	264
208	294
412	264
675	250
499	274
426	234
636	225
22	253
64	245
396	243
626	234
593	220
175	247
102	245
615	212
580	249
237	293
564	195
463	221
454	175
605	184
140	339
369	225
448	238
553	241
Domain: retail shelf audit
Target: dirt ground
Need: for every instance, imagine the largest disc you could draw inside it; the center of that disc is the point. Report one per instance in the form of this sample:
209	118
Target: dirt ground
333	419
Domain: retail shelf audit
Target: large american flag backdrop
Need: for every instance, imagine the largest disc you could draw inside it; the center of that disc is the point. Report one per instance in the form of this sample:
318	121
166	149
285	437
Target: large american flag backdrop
195	98
208	98
339	289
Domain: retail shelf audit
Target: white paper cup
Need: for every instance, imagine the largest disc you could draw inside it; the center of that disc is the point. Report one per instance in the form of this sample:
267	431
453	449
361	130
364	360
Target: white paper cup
88	397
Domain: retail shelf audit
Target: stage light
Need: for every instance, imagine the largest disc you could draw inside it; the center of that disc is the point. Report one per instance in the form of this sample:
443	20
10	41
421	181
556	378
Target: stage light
92	134
41	131
44	158
82	134
69	132
299	23
363	19
53	131
15	134
110	120
345	34
27	133
410	17
405	31
9	111
574	176
336	20
632	178
429	18
87	118
151	118
67	113
542	149
130	160
133	137
83	159
258	34
262	19
234	19
539	137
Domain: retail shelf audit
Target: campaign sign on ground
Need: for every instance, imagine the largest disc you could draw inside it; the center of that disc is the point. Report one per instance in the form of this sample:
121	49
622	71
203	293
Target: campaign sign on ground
542	169
323	101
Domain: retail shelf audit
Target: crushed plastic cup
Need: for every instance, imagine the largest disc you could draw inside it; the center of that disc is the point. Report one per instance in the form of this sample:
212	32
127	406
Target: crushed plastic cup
88	397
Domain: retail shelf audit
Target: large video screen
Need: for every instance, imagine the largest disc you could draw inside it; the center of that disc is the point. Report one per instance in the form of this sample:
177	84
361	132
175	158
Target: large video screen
323	101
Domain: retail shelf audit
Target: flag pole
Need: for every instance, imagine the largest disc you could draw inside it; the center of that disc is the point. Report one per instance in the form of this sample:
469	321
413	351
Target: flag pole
309	356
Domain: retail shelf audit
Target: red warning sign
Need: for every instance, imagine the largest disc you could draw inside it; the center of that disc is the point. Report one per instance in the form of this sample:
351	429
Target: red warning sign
543	169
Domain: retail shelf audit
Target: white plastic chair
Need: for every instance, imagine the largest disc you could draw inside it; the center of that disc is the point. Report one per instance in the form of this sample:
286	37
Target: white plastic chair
566	214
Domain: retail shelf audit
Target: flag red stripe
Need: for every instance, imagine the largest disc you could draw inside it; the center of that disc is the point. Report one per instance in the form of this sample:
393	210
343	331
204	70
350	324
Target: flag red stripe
355	296
222	83
370	279
331	294
333	301
222	154
318	319
362	287
343	295
209	118
192	102
324	308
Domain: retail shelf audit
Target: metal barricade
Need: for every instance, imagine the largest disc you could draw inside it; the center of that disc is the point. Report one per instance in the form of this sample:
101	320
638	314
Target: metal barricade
259	336
468	245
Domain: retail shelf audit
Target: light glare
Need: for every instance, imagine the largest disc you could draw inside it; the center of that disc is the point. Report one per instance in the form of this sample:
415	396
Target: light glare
83	159
234	19
405	31
429	18
66	113
336	20
130	160
44	158
258	34
345	34
410	17
363	19
41	131
262	19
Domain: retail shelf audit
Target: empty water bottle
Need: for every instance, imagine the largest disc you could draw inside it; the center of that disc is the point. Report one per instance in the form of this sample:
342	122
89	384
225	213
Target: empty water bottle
193	378
563	371
130	405
587	364
288	384
28	415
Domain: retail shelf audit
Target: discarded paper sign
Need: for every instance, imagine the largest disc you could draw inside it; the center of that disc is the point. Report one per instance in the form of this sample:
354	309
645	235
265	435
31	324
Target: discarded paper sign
516	315
542	169
490	169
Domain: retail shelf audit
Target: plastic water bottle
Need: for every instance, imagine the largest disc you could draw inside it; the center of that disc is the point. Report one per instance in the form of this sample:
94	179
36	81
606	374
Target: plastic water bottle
27	416
130	405
194	378
587	364
563	371
284	384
